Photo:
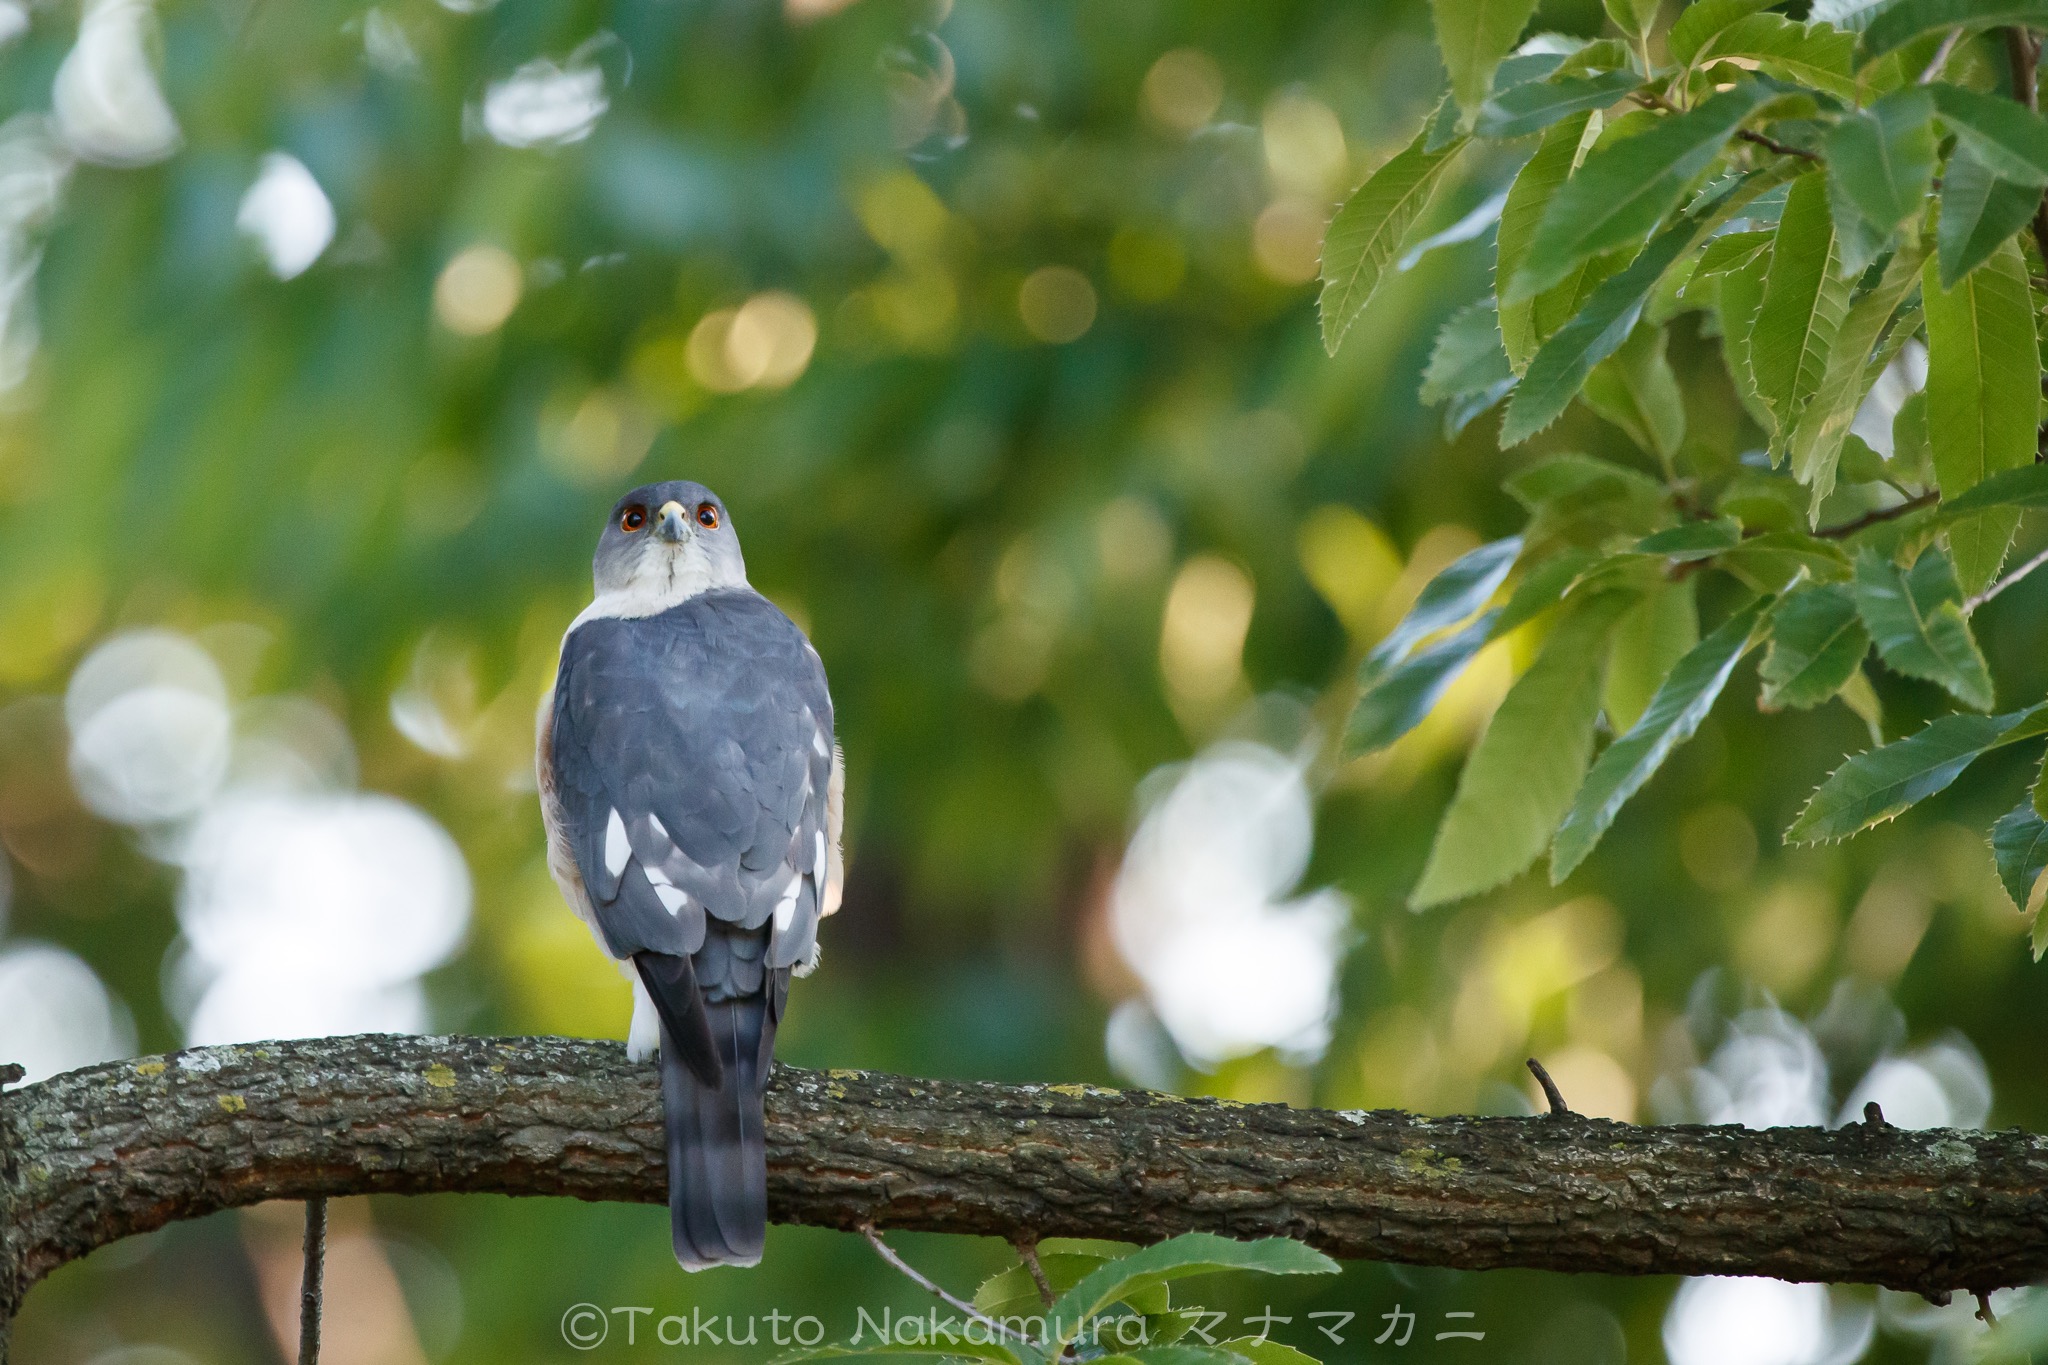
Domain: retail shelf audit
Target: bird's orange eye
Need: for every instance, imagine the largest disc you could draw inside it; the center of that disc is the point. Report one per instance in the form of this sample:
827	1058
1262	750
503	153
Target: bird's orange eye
707	516
634	519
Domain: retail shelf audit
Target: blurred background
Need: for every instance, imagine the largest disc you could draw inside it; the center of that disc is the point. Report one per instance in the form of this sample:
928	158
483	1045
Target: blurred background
329	333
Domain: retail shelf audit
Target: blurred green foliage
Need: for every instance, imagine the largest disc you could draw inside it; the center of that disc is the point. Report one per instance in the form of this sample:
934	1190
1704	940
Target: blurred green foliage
1067	433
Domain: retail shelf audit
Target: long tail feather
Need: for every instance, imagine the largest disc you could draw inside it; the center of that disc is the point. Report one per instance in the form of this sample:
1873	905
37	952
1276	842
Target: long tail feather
717	1144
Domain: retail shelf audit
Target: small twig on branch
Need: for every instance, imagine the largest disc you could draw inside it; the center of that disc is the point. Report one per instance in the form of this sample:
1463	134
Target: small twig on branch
1652	100
10	1072
1880	516
1941	56
310	1285
918	1278
1984	1313
1873	1115
1027	1252
2002	584
1558	1108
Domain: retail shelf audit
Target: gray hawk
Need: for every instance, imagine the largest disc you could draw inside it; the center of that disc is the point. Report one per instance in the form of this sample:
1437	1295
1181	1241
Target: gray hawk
691	788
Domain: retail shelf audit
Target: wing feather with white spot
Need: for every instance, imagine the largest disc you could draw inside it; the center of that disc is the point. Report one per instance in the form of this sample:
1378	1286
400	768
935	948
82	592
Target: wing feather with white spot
693	761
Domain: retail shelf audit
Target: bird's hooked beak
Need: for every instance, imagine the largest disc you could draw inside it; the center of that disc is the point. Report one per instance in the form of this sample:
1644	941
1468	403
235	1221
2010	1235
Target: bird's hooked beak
670	528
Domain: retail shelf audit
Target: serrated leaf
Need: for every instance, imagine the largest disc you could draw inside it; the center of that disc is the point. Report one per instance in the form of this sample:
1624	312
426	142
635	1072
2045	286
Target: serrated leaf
1191	1253
1880	169
1978	212
1467	357
1532	107
1876	785
1916	619
1804	302
1737	301
2017	489
1520	778
1626	187
1656	633
1369	229
1816	55
1673	716
1815	446
1550	167
1458	590
2019	845
1542	587
1902	21
1397	699
2008	138
1983	396
1770	562
1014	1291
1817	643
1912	459
1560	367
1698	22
1473	36
1729	252
1636	390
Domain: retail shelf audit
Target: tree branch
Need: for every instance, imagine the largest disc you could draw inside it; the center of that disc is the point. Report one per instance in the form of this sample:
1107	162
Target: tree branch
100	1154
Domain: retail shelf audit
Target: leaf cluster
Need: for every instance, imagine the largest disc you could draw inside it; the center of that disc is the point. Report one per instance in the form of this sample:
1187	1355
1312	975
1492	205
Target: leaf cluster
1822	194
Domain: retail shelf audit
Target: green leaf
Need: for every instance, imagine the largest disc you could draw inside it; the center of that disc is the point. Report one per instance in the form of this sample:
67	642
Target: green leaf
1737	302
1550	167
1817	642
1902	21
1698	22
1542	587
1520	778
1769	563
1816	55
1912	459
1266	1351
2010	139
1397	699
1468	357
1693	540
1804	302
1626	187
1531	108
948	1344
1816	442
1978	212
1561	366
1876	785
1191	1253
1673	715
2019	488
1472	36
1014	1292
1176	1355
1915	617
2019	845
1983	396
1635	389
1880	169
1633	17
1656	633
1369	229
1458	590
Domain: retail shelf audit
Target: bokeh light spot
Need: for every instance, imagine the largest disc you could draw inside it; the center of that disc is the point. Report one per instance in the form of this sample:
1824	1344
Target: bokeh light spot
1057	304
1183	90
477	290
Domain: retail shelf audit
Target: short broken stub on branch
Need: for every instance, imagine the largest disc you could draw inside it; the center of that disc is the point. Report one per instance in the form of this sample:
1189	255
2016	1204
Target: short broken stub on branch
96	1155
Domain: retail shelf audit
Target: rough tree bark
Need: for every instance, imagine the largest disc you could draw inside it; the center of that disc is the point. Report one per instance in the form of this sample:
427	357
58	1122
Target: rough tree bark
96	1155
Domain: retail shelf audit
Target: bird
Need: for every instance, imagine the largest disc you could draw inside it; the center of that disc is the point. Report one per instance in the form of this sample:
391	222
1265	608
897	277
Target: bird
692	790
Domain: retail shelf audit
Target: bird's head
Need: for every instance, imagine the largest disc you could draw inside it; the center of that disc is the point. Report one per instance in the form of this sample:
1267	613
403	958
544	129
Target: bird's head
666	542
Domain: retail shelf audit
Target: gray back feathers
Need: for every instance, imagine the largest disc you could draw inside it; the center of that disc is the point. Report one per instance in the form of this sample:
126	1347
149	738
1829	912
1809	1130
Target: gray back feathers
691	756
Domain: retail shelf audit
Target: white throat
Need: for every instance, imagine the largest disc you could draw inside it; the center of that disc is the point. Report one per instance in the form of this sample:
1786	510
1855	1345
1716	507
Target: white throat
665	576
